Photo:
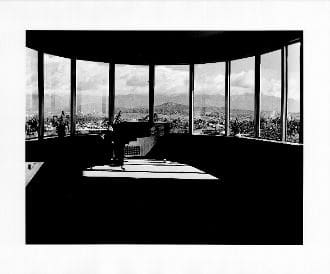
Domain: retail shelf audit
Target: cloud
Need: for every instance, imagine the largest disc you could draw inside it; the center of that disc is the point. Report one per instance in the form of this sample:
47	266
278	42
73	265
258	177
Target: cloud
136	81
294	85
171	81
57	74
93	78
243	80
210	78
31	81
132	79
210	84
271	83
270	86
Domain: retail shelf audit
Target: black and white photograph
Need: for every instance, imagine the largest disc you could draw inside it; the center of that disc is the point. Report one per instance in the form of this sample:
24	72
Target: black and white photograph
164	137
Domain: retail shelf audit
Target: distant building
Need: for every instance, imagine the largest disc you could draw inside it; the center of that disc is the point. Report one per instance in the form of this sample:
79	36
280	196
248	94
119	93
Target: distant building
203	106
52	103
34	102
79	104
104	104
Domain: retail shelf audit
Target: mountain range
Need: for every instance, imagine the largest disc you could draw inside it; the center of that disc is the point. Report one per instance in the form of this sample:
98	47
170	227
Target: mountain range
91	103
242	102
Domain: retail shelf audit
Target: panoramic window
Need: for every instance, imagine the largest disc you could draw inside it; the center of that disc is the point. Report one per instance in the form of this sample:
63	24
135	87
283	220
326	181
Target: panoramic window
132	92
92	96
57	95
171	100
242	97
293	117
209	99
31	98
270	96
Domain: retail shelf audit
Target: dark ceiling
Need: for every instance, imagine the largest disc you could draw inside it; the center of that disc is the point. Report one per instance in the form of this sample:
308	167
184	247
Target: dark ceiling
158	47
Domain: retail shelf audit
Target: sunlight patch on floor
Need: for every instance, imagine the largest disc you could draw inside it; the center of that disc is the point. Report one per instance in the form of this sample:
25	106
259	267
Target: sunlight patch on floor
144	168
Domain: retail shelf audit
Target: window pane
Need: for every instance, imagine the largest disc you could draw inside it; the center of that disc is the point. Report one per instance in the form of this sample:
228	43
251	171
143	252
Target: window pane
132	92
209	99
172	97
31	114
270	96
57	95
242	97
293	123
92	96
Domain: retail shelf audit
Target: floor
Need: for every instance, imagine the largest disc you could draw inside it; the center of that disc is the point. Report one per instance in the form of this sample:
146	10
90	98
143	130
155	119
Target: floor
151	201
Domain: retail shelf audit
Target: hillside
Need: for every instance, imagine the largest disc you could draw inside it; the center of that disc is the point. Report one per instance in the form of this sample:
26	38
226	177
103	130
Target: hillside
172	103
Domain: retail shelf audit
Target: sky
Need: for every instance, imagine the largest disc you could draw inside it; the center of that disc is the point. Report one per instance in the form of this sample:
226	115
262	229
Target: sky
209	78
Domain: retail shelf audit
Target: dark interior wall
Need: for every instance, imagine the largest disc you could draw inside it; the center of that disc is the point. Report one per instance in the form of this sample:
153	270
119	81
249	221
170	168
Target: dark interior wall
219	154
262	181
80	150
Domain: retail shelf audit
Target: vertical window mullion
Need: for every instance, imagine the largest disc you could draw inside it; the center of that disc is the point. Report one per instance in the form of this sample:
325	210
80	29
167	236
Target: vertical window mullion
41	94
301	133
111	92
284	91
227	98
73	109
191	98
257	78
151	93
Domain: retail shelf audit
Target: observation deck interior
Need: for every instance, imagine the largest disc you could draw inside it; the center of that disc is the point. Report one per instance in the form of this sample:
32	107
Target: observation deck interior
187	188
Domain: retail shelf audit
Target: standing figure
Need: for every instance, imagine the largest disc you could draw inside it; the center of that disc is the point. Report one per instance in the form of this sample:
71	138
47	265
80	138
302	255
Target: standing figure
61	125
119	142
109	143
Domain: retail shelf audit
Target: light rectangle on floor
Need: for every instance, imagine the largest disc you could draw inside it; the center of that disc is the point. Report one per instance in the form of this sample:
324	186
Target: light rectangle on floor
144	169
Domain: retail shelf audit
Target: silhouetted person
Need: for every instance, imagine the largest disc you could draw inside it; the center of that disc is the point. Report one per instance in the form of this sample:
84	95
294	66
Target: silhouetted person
61	125
119	142
109	143
119	146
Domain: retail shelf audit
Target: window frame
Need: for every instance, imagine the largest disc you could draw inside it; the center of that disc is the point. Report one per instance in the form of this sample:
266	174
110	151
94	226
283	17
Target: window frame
151	67
77	93
224	63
